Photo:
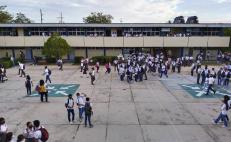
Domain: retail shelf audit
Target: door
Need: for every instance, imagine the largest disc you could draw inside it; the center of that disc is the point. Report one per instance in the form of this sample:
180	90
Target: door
29	54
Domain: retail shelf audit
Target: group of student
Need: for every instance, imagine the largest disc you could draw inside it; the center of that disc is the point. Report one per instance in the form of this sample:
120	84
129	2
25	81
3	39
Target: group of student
84	107
34	132
41	87
138	65
205	76
84	68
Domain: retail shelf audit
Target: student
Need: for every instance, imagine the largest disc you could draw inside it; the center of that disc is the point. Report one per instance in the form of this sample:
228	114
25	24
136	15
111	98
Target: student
28	84
3	129
40	133
227	77
88	112
219	73
198	75
22	69
43	90
97	67
92	75
81	66
211	81
20	138
173	66
85	68
9	137
121	72
80	103
60	64
223	113
163	71
47	73
193	67
29	132
1	74
70	108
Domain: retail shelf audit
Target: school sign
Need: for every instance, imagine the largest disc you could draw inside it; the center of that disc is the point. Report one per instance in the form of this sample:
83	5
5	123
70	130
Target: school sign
198	91
59	90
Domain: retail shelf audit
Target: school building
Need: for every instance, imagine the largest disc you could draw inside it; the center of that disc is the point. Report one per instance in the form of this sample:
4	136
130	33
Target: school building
90	40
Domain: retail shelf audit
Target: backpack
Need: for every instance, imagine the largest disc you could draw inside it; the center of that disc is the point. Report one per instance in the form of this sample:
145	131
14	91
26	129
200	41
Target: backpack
88	109
37	88
45	135
49	71
28	83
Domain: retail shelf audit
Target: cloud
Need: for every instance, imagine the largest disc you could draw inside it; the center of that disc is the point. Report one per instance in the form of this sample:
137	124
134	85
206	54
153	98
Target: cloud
140	11
222	1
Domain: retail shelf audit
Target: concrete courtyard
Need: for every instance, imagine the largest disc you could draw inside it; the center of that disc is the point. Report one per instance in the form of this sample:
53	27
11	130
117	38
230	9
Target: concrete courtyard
155	110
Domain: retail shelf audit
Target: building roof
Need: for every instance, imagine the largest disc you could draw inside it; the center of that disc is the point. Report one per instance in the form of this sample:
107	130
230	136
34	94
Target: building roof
221	25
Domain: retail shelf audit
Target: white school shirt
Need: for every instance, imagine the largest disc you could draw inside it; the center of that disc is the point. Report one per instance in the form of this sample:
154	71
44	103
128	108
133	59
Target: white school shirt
21	66
211	80
229	103
80	101
3	128
46	72
223	109
70	103
28	133
38	134
93	73
121	70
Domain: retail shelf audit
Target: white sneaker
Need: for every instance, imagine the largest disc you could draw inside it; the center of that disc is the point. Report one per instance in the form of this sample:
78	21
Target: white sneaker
71	122
213	121
224	126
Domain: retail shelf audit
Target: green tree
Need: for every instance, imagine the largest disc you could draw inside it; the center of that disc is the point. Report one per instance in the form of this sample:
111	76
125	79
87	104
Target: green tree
55	47
5	17
21	19
98	18
227	32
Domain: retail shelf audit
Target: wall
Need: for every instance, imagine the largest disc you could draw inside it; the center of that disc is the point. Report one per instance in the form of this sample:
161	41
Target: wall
38	41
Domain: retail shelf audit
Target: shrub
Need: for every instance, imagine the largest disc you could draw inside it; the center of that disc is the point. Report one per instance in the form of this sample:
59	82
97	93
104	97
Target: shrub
103	59
50	60
77	59
6	63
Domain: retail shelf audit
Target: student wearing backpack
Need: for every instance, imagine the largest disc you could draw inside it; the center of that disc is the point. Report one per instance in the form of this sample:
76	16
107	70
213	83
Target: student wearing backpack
40	133
47	73
88	112
28	84
70	108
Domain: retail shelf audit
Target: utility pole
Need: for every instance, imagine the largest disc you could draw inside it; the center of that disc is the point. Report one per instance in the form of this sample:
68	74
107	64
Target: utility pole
41	15
61	18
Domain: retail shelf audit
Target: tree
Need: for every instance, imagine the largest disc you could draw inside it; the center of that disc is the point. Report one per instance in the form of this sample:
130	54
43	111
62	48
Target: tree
5	17
98	18
192	20
227	32
179	20
21	19
55	47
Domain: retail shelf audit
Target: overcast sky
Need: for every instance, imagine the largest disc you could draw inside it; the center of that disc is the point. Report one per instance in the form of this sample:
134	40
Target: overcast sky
130	11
